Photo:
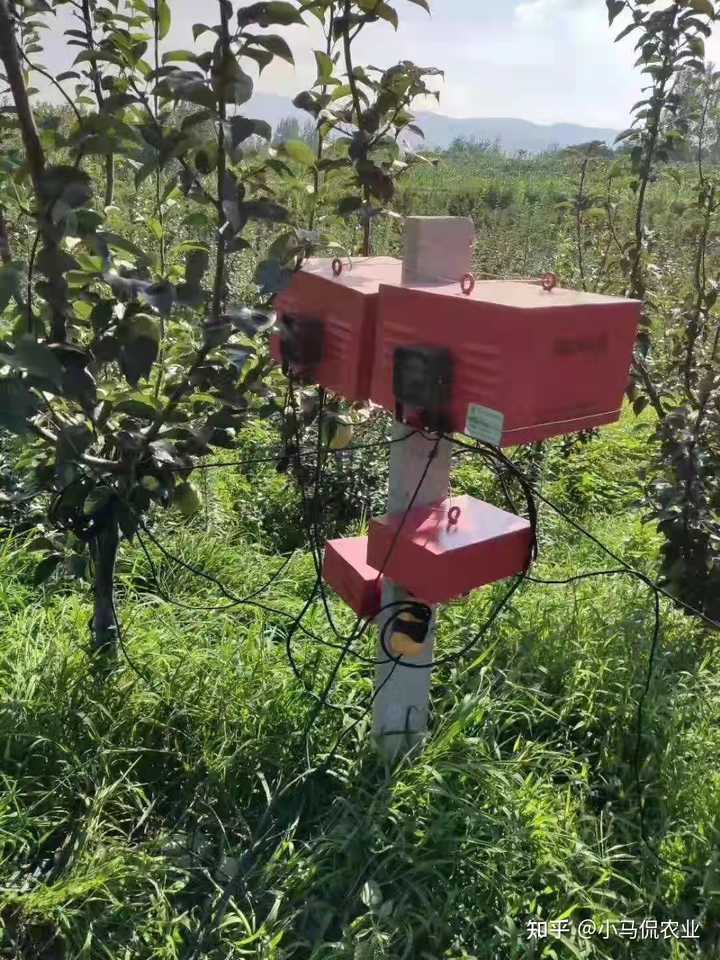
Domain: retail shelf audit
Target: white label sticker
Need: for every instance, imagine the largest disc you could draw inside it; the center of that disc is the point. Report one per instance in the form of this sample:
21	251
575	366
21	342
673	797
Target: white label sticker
484	424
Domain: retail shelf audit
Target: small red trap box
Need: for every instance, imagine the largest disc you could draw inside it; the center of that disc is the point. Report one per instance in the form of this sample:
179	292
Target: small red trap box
327	322
437	560
510	363
347	571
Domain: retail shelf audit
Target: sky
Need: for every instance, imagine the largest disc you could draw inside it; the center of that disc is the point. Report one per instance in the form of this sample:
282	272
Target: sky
547	61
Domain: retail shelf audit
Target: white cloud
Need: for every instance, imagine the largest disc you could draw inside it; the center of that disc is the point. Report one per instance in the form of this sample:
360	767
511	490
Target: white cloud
542	60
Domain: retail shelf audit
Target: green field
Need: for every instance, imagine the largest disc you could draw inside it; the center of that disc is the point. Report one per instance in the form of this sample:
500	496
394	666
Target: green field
180	804
187	765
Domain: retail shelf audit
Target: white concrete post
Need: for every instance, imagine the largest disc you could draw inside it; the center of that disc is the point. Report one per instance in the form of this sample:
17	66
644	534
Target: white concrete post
402	701
437	249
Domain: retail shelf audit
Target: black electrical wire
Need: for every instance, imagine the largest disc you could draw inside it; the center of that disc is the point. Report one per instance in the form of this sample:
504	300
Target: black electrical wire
488	451
357	627
495	458
356	723
399	606
310	507
138	671
279	457
652	655
361	627
459	654
312	534
238	601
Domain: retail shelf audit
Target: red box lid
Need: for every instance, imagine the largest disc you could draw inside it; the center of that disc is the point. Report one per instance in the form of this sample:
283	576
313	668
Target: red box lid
437	560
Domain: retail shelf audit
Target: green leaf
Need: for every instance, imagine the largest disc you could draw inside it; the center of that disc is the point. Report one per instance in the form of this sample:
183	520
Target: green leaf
199	29
276	45
240	128
697	45
65	188
615	8
164	18
78	384
379	183
179	55
264	210
73	441
10	280
143	325
99	56
249	321
269	14
45	569
187	87
196	266
298	151
116	242
421	3
127	521
701	6
37	359
17	405
136	408
206	160
151	484
97	500
311	102
263	58
160	296
349	205
272	277
216	333
379	9
137	358
230	81
325	67
187	499
341	91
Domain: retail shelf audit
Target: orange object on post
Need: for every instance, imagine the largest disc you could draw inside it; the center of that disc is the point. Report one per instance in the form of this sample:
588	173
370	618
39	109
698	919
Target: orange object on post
449	549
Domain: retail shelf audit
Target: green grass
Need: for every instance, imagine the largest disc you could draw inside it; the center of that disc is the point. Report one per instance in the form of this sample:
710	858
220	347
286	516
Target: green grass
184	812
174	806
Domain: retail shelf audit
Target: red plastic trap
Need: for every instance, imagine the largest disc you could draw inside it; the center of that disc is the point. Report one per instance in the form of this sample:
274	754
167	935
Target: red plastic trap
327	320
449	549
517	363
347	571
506	361
442	552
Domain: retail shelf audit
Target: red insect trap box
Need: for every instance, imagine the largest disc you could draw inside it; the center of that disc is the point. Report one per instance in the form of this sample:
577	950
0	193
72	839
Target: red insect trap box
510	363
347	571
437	560
327	322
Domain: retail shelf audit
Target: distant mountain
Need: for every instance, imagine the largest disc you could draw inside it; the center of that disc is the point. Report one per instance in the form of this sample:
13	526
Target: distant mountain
440	131
512	134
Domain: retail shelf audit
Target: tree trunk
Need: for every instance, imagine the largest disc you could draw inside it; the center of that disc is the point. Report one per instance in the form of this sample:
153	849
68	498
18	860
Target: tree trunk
104	622
35	159
99	97
10	56
109	179
5	252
